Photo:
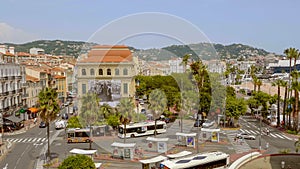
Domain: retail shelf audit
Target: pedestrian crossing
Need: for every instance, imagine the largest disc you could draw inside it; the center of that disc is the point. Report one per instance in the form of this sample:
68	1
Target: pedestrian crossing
274	135
239	145
26	140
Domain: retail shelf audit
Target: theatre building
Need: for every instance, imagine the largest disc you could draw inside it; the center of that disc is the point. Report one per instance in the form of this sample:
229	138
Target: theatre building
108	71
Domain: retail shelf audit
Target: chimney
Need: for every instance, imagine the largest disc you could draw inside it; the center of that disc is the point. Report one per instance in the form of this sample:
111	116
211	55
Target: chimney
3	48
12	50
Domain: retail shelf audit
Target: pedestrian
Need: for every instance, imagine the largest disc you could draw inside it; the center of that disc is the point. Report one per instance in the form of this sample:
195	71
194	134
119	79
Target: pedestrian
179	123
267	145
35	120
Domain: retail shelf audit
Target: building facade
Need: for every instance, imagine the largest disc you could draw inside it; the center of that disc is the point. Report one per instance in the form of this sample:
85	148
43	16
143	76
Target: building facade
108	71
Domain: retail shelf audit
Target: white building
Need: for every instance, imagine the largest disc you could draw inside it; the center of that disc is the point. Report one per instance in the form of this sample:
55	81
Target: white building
36	51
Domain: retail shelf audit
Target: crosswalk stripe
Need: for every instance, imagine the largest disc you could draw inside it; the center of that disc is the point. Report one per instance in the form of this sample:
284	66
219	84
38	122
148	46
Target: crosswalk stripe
39	139
44	139
29	140
273	135
34	139
24	140
252	132
286	137
279	136
247	131
19	140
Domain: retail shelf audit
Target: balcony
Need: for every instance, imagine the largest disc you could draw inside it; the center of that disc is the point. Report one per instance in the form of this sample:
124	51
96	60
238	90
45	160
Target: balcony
24	85
25	95
18	77
19	90
3	78
11	77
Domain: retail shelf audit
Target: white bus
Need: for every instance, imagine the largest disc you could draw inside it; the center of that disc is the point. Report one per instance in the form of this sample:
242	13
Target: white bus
142	129
210	160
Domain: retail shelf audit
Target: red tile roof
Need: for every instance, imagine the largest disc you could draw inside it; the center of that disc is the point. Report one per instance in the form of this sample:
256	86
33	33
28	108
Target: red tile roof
118	53
59	77
32	79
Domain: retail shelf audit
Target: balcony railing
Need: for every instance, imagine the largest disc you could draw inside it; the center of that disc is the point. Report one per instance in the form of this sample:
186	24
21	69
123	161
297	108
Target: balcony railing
25	95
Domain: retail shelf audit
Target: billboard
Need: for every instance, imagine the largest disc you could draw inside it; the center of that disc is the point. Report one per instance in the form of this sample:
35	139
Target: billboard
107	90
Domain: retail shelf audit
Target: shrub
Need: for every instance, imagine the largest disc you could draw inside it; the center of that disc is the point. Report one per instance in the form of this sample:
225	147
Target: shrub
78	161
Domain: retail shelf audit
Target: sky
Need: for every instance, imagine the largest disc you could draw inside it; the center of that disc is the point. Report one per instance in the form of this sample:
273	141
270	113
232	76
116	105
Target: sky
272	25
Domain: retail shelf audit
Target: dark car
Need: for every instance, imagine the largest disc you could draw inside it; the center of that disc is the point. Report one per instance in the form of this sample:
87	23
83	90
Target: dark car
65	116
42	124
198	123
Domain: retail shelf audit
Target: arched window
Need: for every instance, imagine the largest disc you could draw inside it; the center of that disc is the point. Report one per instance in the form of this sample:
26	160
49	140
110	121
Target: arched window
117	72
83	72
92	72
125	71
108	71
100	72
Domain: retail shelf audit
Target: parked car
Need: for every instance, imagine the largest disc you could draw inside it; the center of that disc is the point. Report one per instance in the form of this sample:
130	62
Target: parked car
208	123
198	123
42	124
245	136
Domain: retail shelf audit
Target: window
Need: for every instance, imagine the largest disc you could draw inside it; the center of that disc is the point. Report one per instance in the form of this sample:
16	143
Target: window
125	71
83	73
83	88
100	72
117	72
108	71
125	88
92	72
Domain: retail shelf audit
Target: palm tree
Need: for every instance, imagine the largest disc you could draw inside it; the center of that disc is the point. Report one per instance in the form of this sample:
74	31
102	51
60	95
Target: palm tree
255	80
285	85
48	109
90	111
296	88
157	104
278	83
106	110
185	60
258	83
126	109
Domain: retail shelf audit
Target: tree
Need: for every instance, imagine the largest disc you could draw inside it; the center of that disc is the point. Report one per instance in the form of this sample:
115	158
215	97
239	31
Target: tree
297	145
278	83
48	109
90	111
235	108
157	105
126	109
296	88
73	122
185	60
77	161
258	83
106	110
285	85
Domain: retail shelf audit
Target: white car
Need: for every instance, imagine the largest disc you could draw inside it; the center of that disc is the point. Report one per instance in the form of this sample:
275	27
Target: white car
245	136
208	123
61	124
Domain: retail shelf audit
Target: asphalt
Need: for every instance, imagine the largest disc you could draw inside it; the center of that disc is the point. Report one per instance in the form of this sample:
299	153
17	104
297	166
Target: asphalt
225	145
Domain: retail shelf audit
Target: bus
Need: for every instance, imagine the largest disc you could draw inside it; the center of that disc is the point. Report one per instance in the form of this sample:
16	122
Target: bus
77	135
209	160
142	129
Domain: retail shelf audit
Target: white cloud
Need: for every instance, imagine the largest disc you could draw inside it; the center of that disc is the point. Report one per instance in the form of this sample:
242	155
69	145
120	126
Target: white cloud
9	34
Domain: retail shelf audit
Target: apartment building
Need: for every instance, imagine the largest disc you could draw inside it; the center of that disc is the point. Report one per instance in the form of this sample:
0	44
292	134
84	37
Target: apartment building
11	82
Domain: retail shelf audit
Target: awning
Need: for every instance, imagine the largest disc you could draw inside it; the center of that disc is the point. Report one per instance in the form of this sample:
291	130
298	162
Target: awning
157	139
14	119
153	160
98	165
33	109
84	152
124	145
186	134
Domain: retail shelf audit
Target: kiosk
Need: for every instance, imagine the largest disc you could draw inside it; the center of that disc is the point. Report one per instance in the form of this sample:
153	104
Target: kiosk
153	163
186	139
160	146
212	134
123	150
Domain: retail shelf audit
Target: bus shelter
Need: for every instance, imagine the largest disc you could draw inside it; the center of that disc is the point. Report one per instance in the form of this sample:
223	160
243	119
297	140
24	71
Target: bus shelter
186	139
89	153
153	163
210	134
179	155
160	146
123	150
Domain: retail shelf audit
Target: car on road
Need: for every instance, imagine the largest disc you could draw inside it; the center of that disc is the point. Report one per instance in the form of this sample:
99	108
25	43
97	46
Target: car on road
208	123
245	136
61	124
65	116
198	123
42	124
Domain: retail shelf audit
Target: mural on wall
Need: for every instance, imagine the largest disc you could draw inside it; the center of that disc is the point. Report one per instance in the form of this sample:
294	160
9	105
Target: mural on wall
107	90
